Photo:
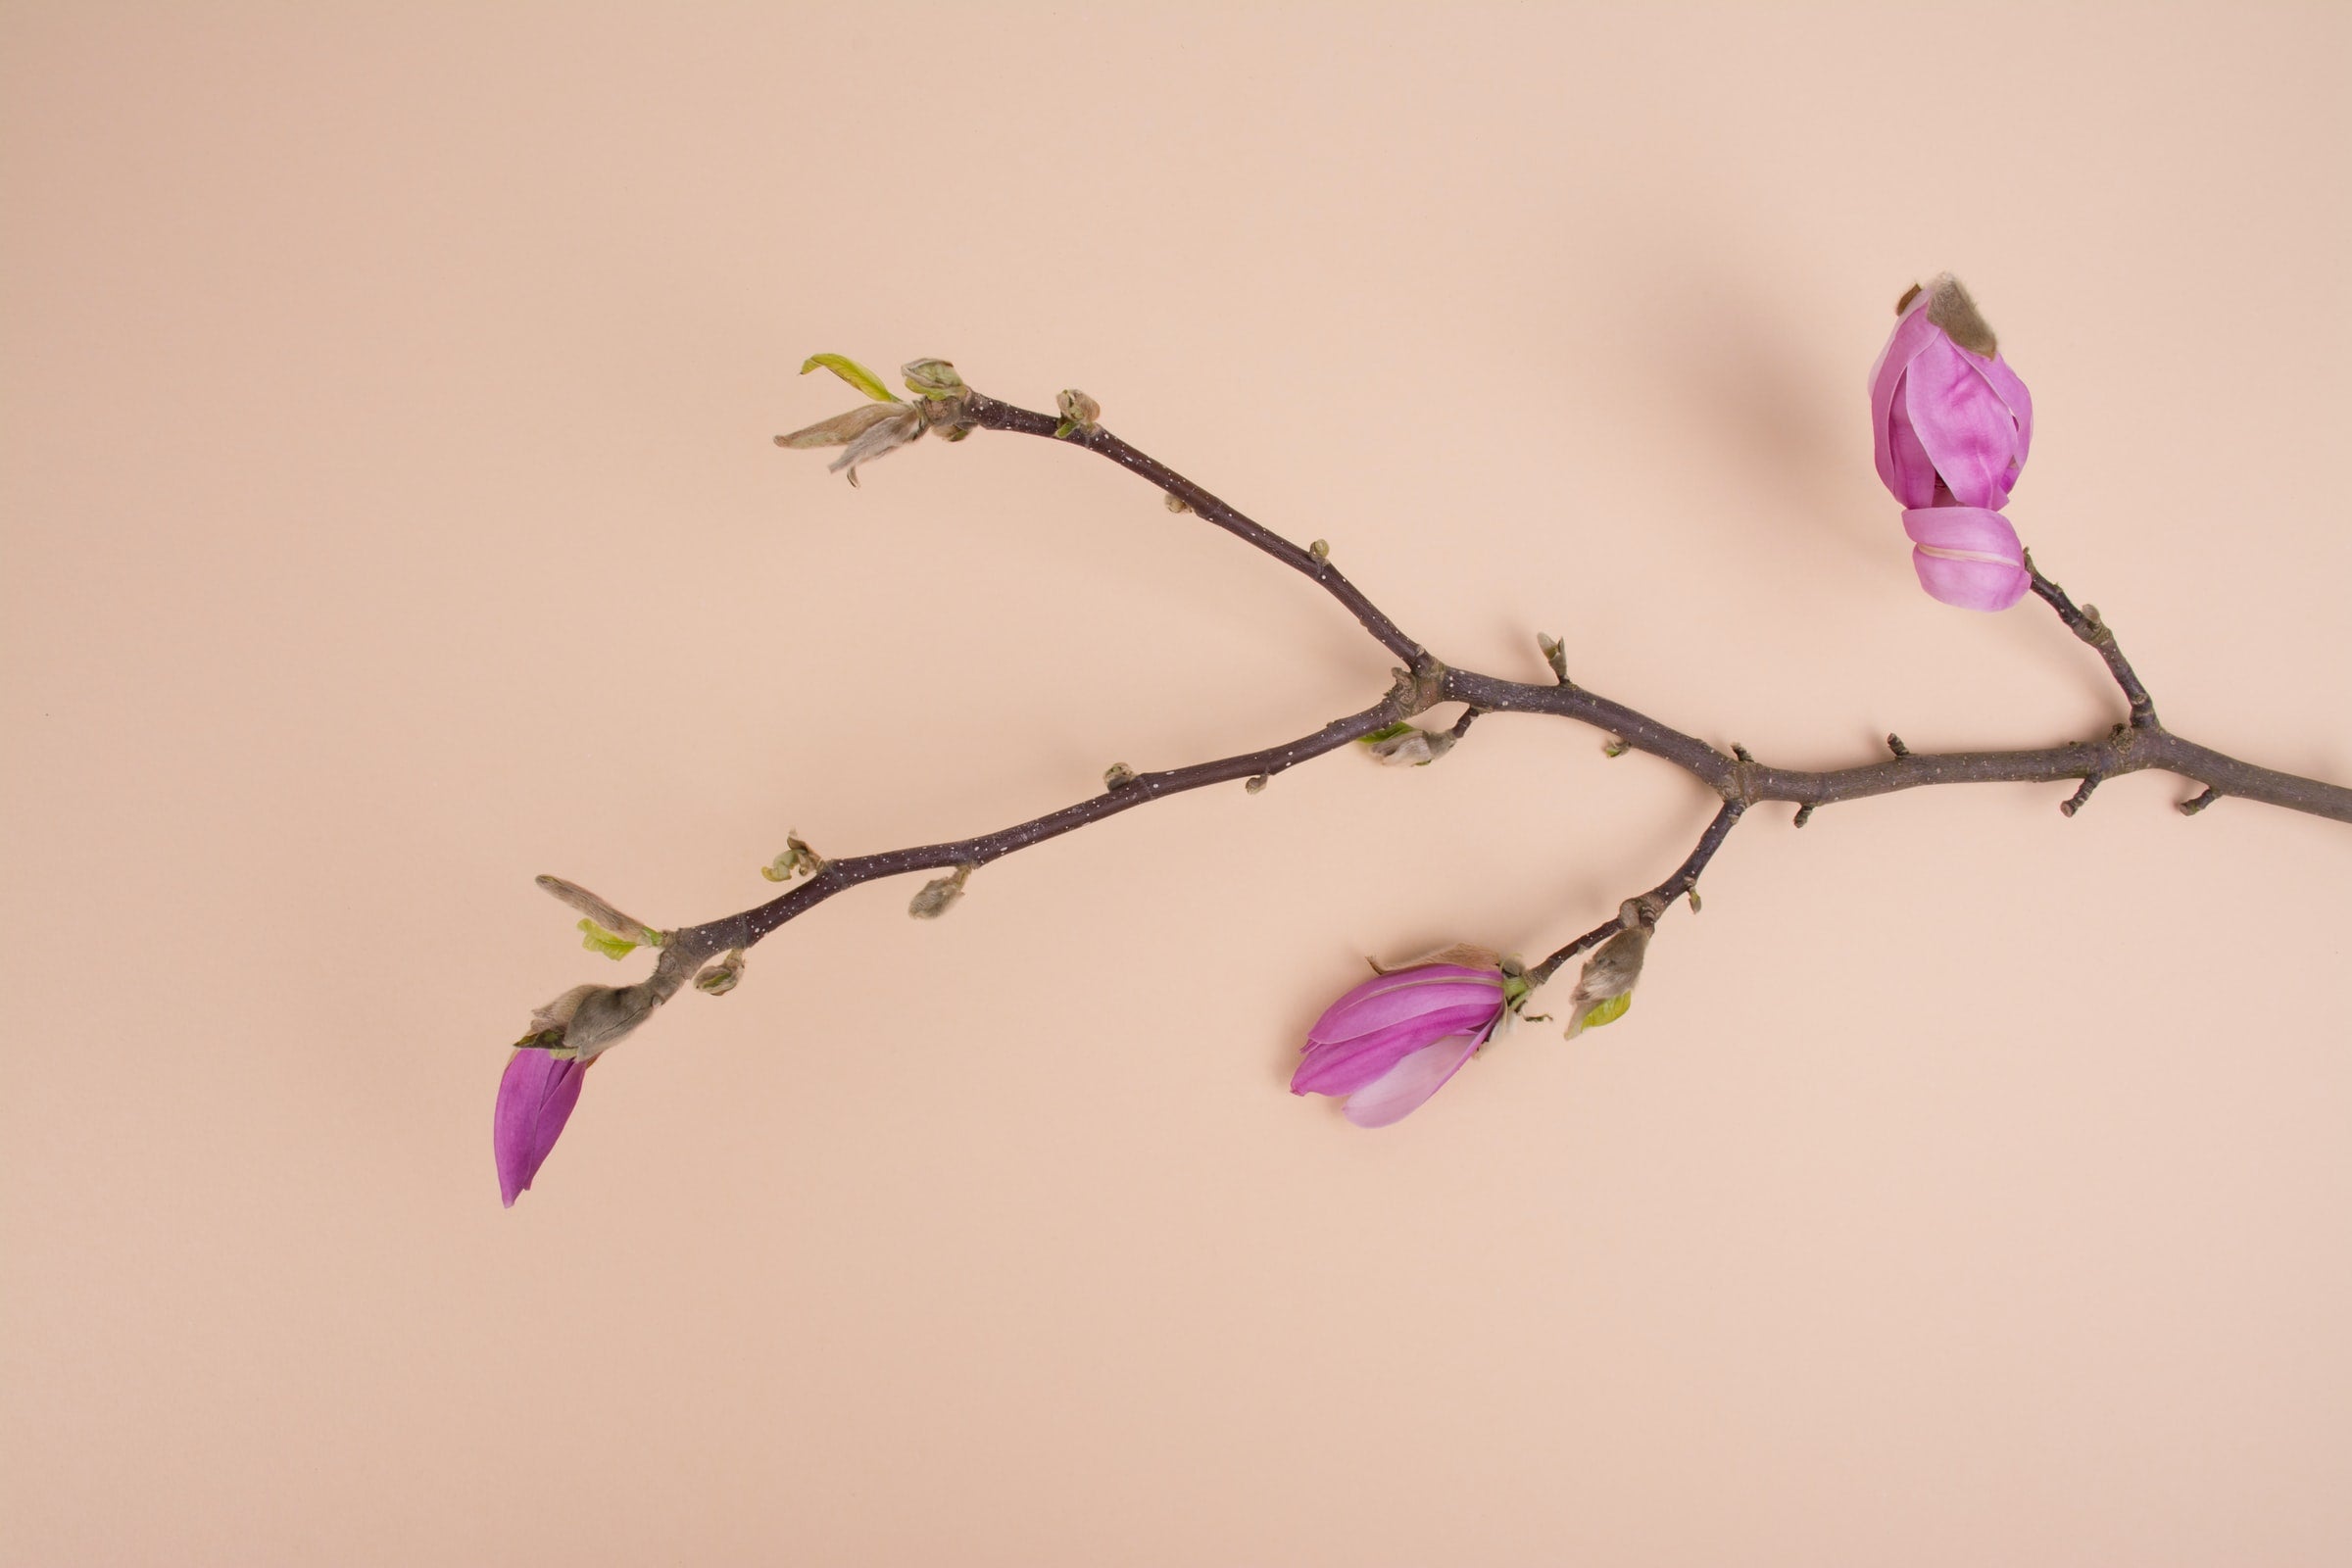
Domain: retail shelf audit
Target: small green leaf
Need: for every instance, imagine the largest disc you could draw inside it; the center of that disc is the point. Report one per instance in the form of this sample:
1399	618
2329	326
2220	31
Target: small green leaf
595	938
857	375
1608	1011
1389	733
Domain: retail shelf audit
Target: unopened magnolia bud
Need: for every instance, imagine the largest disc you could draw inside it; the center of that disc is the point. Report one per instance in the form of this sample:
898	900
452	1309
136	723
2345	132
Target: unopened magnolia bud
938	894
1951	427
717	979
1117	776
1410	745
1614	748
1605	987
1257	781
1175	502
1320	550
1078	411
933	379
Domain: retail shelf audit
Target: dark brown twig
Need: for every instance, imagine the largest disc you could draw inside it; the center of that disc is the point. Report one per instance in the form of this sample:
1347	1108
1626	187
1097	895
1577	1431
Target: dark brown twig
1653	903
1737	778
2086	623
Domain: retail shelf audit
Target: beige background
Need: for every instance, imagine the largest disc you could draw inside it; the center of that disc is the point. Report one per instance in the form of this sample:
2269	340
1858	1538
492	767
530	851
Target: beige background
391	515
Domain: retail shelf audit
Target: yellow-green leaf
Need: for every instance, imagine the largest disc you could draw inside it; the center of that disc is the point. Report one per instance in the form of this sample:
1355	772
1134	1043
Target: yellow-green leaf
857	375
595	938
1608	1011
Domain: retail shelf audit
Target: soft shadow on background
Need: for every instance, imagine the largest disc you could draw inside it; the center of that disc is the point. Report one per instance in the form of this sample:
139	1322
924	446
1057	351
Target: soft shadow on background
390	515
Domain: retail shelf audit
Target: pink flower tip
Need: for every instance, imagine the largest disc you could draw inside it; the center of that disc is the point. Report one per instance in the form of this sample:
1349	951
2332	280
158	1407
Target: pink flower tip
1967	557
535	1099
1391	1043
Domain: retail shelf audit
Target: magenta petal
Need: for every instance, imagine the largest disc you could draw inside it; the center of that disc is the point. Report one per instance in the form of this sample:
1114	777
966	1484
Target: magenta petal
1415	993
1341	1067
535	1099
1968	432
1968	556
1903	463
1400	1091
1905	457
2011	392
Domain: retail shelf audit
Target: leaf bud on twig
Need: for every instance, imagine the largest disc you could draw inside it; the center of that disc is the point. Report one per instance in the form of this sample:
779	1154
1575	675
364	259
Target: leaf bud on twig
933	379
1408	746
1078	413
717	979
1605	987
936	896
797	858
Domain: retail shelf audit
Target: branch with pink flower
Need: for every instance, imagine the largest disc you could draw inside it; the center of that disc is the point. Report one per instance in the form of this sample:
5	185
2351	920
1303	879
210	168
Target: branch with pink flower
1952	426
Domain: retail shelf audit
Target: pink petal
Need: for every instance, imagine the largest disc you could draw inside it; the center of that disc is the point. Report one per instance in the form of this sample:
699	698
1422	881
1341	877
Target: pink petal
1968	556
2012	391
1903	463
1341	1067
1400	1091
535	1099
1968	430
1389	999
1905	456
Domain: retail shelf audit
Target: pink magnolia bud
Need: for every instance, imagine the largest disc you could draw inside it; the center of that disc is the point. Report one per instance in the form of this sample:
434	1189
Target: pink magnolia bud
535	1098
1967	557
1947	413
1393	1041
1951	425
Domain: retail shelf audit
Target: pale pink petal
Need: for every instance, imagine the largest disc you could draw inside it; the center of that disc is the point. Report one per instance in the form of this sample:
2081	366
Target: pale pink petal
1398	1091
1967	429
1967	557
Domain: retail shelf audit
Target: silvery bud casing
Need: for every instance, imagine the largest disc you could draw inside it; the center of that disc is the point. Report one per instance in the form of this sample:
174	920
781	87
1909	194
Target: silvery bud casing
1410	747
1605	987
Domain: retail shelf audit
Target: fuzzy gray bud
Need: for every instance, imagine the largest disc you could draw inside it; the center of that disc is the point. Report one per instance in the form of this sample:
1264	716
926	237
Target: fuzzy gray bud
937	896
1410	747
1611	973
